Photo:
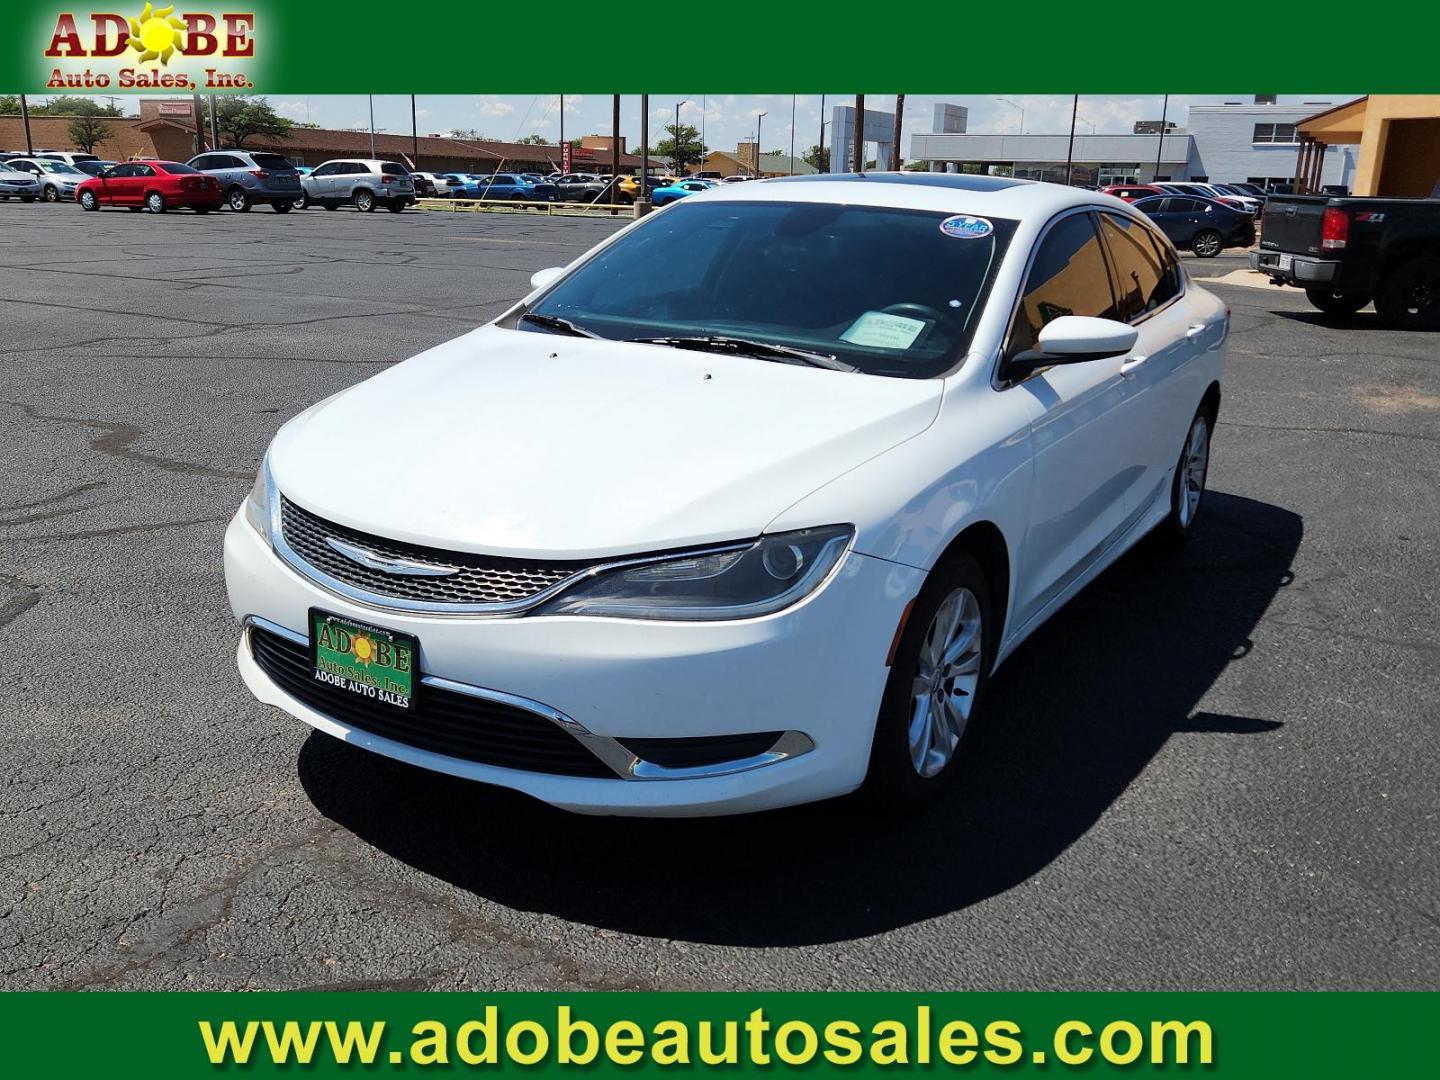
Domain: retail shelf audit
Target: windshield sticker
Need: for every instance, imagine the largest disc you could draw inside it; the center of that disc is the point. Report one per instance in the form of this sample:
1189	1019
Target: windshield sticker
966	227
882	331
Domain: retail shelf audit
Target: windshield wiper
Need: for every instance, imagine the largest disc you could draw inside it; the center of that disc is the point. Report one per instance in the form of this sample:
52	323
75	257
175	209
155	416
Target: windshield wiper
763	350
554	322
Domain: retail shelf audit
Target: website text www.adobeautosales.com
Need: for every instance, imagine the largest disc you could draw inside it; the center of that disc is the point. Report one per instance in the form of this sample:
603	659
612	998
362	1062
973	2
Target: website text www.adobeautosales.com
919	1039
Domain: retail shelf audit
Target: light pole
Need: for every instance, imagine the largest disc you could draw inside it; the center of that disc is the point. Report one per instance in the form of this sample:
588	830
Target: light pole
372	124
790	169
1160	142
676	131
1012	104
758	118
822	165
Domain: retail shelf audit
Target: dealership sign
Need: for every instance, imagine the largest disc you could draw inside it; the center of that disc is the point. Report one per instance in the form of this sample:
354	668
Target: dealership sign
152	48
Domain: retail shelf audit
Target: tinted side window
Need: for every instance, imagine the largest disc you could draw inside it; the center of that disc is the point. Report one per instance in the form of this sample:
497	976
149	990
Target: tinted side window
1149	206
391	169
122	171
1068	277
1169	287
1139	272
142	170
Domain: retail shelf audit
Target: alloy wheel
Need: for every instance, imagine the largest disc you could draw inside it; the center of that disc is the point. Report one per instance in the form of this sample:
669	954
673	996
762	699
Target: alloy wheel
155	202
1207	245
1193	467
945	682
52	194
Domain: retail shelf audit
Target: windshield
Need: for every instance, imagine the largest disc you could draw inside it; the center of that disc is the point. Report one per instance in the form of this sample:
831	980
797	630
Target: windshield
884	290
59	167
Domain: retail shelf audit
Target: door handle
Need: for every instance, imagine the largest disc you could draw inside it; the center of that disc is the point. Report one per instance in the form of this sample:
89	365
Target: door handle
1195	330
1132	365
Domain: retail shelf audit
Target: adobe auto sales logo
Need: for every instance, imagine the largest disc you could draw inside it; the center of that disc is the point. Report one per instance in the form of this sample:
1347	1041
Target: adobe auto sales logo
154	50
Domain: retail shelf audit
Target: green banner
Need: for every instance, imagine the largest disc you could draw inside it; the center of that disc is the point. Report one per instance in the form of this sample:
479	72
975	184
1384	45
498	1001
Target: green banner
1265	1035
739	46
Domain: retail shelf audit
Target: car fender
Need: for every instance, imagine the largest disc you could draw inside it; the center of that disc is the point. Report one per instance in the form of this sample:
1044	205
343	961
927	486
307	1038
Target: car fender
973	464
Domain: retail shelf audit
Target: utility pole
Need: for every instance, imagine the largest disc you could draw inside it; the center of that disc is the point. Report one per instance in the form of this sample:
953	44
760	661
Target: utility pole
25	119
214	126
758	118
895	141
1070	150
197	116
614	146
414	136
823	165
791	170
1160	143
642	200
372	124
858	155
704	108
675	141
562	134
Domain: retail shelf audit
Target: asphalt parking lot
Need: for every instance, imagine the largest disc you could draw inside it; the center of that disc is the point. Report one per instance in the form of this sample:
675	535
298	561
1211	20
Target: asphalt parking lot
1216	770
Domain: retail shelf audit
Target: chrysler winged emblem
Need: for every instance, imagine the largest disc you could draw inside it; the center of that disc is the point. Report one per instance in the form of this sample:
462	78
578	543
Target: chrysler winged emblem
387	565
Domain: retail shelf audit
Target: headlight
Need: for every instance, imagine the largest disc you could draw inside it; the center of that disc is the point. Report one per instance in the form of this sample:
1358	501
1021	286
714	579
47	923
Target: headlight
257	503
739	582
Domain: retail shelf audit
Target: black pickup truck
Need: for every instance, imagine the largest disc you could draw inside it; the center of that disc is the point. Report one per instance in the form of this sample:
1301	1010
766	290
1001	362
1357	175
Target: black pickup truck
1347	252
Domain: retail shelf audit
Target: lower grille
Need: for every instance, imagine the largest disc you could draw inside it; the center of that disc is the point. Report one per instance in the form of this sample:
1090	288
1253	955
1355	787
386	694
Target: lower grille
701	750
441	721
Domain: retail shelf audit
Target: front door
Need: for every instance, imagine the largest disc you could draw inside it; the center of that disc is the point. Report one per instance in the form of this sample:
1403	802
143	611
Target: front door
1083	466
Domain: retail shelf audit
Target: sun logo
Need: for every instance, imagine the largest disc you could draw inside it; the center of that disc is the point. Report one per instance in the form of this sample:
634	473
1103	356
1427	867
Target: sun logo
363	648
156	34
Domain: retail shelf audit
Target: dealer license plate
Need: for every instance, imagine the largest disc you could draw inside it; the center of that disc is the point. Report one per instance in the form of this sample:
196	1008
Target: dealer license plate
1286	263
364	660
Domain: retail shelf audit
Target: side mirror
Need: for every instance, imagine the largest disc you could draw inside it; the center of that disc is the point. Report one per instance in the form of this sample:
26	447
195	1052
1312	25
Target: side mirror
541	278
1074	339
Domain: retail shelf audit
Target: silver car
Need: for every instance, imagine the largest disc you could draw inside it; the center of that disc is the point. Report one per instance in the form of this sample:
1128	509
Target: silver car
57	180
17	184
364	183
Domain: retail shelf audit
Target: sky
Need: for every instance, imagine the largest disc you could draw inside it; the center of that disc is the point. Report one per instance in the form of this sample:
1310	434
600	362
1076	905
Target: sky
729	118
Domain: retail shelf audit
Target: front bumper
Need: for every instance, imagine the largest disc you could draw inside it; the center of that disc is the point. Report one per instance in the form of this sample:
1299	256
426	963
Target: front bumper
1294	269
816	670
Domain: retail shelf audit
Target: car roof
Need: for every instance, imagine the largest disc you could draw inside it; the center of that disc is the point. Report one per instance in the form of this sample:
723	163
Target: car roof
953	192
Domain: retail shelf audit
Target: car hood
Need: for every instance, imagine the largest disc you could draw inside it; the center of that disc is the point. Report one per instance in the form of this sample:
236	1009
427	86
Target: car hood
529	444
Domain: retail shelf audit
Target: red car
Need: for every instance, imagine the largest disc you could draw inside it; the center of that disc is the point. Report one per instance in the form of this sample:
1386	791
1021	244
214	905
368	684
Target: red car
1131	192
156	186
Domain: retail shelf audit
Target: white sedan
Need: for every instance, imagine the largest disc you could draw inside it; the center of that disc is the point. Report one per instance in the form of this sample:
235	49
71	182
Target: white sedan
742	508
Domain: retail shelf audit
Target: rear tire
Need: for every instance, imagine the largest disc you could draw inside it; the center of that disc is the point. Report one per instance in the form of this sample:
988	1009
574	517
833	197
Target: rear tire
281	207
1187	489
1333	303
365	201
155	203
88	201
1409	295
237	200
1207	243
27	198
935	693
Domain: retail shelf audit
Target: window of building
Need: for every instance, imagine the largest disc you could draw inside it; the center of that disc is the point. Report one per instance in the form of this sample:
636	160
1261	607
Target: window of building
1118	174
1274	133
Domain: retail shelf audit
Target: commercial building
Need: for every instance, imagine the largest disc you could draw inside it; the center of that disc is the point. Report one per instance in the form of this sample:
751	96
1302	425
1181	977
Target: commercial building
745	160
1395	139
165	129
1257	142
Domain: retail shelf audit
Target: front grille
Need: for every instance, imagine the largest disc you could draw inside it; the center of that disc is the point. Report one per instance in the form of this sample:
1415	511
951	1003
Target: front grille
480	579
442	721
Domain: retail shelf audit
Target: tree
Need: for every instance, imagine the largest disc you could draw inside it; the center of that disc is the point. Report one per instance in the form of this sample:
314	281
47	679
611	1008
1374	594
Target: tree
535	140
9	105
816	158
240	118
683	147
87	132
74	106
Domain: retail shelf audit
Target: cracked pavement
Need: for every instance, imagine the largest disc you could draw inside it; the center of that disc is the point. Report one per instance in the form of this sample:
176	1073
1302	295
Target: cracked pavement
1216	770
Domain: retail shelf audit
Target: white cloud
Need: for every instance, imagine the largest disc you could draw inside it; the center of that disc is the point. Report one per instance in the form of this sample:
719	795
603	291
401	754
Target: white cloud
493	107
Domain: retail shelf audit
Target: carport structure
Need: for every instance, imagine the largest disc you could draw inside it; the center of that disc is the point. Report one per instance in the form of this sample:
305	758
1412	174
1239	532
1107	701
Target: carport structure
1399	140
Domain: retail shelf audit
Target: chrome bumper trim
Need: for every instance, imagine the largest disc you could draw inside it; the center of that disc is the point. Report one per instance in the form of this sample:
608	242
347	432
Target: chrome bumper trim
621	761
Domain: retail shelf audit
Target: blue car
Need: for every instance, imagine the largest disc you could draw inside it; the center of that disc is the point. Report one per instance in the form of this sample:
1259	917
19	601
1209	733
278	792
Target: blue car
511	186
678	190
1204	226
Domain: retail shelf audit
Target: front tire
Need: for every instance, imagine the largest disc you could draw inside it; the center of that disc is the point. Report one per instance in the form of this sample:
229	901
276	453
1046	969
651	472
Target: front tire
1333	303
1207	243
365	201
51	193
1187	489
936	688
1409	295
88	201
155	202
237	200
